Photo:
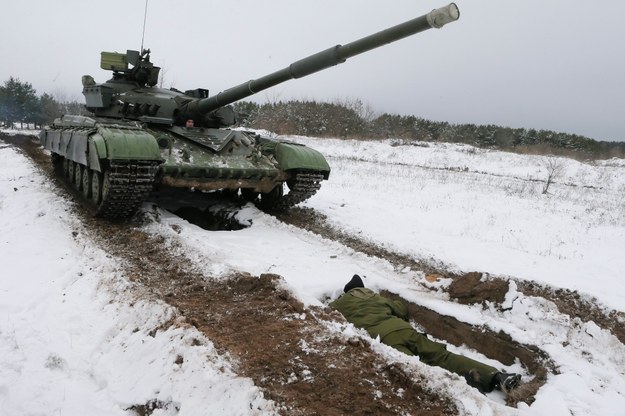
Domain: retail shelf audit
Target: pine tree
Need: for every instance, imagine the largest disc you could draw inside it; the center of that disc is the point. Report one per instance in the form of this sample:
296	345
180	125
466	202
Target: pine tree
18	102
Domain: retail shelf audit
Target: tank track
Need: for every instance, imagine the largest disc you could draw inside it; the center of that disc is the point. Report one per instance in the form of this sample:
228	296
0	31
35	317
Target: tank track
115	194
126	184
301	187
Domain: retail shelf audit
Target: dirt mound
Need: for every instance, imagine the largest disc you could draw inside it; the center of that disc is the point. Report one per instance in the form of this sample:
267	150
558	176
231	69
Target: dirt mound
573	304
474	288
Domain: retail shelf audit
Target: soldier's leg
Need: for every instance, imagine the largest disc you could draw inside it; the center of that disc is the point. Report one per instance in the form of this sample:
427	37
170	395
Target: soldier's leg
434	353
398	341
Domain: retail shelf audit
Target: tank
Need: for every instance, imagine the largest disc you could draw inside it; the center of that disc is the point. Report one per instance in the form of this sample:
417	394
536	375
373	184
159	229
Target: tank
142	139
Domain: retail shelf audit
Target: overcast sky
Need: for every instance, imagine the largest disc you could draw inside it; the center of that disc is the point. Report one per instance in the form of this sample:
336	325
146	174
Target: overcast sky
545	64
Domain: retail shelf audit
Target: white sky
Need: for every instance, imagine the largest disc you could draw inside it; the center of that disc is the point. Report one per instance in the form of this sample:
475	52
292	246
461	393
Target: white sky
544	64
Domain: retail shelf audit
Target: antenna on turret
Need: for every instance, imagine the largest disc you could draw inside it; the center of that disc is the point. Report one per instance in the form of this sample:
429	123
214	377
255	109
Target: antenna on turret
145	15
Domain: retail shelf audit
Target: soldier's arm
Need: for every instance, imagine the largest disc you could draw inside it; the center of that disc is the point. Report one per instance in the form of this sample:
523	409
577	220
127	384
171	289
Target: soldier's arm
398	309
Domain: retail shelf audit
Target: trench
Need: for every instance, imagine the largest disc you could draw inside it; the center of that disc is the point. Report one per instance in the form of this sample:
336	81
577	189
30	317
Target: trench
467	288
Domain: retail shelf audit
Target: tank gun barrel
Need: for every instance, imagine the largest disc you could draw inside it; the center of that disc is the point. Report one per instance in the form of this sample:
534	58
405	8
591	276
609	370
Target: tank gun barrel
330	57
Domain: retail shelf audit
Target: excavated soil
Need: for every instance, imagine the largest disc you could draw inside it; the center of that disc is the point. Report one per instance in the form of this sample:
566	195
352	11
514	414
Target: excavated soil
287	349
469	288
499	346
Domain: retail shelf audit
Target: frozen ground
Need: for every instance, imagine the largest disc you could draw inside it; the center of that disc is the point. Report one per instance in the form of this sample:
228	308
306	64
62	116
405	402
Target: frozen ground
76	337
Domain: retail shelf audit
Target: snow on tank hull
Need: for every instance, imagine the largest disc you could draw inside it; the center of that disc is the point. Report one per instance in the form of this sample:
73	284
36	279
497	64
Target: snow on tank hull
115	164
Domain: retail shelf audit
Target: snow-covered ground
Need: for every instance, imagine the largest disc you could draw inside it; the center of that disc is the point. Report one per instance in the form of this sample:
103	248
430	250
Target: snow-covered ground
75	340
484	210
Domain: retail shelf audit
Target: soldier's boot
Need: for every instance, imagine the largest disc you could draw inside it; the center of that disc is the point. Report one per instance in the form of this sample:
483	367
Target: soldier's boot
507	381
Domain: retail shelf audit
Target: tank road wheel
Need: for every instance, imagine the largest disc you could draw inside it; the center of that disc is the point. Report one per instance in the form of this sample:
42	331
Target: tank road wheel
71	172
66	168
96	187
271	198
106	184
86	182
78	169
57	163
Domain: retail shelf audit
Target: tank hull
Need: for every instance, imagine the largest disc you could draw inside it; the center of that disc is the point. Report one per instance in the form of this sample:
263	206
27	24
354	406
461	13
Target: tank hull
115	164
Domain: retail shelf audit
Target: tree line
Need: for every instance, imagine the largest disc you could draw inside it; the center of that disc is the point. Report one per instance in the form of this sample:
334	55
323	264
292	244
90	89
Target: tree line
354	120
351	119
19	103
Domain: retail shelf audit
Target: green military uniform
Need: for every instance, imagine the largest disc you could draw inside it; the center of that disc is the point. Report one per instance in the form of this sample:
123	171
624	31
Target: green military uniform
388	319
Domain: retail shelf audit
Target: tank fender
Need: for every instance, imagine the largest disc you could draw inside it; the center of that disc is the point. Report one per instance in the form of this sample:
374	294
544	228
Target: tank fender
128	144
67	143
97	151
50	140
296	156
76	146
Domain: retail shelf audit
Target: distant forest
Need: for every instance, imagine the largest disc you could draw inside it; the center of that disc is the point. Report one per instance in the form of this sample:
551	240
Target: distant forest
349	119
355	120
19	104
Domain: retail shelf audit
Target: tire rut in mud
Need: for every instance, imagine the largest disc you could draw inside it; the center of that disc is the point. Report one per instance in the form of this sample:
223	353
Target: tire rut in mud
283	347
315	222
263	326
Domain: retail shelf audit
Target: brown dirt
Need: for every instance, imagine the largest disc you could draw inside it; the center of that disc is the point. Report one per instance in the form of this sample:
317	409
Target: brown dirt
499	346
283	347
256	320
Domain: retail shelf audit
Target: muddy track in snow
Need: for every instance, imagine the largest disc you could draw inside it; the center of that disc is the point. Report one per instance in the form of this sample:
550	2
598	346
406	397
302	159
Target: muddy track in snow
466	288
286	349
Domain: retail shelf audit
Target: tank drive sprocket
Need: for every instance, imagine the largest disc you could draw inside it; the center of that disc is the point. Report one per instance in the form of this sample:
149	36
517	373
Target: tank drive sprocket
301	187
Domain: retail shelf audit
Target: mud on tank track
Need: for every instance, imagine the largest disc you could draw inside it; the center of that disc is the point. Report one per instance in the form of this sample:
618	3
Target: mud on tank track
245	315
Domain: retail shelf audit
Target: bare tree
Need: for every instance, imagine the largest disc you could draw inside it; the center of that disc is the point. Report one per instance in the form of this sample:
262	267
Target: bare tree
162	77
554	167
272	96
364	110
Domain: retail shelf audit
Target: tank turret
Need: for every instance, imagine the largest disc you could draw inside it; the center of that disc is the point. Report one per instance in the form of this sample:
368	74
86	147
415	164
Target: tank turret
143	138
325	59
174	107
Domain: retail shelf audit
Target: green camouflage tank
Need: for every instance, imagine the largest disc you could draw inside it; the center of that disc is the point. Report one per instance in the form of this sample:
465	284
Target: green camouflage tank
141	137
